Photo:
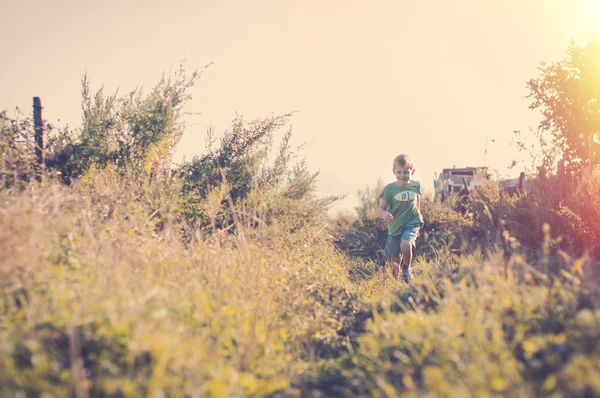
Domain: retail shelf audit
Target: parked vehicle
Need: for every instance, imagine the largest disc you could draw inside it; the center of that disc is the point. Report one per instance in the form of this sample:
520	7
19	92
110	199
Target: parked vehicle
457	179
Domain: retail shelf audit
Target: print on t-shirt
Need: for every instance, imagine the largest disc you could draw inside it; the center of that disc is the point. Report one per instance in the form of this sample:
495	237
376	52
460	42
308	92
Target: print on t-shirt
405	196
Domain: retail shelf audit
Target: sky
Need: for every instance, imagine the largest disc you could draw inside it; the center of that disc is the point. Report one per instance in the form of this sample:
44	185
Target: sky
439	80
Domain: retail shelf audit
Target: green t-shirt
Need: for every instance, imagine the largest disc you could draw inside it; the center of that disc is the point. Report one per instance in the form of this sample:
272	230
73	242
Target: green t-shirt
402	203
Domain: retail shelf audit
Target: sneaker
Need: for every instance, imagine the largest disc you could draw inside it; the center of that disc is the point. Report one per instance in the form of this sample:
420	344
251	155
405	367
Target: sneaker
407	274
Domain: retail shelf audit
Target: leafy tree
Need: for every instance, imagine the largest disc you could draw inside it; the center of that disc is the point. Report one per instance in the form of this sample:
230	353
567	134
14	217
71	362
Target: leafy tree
568	95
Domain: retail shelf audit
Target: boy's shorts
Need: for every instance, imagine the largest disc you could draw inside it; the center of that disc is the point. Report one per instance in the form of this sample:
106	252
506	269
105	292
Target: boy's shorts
409	233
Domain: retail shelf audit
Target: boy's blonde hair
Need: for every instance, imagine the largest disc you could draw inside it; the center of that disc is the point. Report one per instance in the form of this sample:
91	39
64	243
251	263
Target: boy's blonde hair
403	161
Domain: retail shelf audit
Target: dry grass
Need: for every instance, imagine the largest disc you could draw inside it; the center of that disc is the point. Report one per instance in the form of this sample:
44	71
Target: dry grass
101	296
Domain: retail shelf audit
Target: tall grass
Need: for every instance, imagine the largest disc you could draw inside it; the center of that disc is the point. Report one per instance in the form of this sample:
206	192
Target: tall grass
99	298
485	328
226	277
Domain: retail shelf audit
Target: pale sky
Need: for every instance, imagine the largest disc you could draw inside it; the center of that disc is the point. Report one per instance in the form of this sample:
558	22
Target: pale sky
370	80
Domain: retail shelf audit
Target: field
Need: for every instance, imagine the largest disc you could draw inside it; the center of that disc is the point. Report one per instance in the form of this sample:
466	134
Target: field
122	275
103	296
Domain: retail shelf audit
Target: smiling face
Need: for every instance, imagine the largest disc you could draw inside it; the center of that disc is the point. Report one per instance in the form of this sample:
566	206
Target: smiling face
402	174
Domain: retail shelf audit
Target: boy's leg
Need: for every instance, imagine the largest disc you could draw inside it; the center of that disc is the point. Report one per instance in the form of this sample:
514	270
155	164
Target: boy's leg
392	255
394	264
406	248
408	243
407	251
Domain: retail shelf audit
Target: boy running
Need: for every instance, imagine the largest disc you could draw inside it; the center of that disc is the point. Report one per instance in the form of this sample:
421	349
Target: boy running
400	207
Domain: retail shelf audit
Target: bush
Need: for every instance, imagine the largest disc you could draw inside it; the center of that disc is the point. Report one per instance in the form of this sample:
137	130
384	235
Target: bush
236	185
135	133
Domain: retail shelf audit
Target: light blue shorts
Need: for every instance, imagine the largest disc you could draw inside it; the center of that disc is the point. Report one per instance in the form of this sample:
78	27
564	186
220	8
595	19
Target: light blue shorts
409	233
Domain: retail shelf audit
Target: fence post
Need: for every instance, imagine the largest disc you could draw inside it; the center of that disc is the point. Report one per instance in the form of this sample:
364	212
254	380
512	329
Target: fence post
39	135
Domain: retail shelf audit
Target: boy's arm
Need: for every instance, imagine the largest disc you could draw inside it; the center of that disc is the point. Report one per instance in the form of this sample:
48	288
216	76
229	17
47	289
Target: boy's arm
386	215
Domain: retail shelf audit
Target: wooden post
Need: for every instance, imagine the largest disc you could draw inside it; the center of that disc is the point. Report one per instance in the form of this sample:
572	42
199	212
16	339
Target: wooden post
39	131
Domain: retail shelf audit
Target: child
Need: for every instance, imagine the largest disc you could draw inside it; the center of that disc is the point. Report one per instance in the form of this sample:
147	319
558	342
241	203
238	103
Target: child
400	207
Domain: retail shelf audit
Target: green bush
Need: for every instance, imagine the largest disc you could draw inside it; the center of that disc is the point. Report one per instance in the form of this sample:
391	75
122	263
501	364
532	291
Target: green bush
135	133
237	185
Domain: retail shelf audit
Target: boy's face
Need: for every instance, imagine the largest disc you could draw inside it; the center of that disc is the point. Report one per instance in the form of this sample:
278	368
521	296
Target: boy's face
403	174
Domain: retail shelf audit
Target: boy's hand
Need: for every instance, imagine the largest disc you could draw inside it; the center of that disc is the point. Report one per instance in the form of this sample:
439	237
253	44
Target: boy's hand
388	217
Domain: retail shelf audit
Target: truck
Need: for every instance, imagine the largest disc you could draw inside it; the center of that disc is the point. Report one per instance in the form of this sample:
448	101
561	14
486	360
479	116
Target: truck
457	179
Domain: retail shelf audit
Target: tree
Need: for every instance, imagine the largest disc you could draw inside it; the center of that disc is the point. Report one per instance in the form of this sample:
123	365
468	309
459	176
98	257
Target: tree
568	95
